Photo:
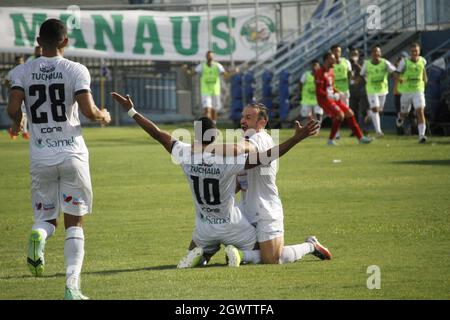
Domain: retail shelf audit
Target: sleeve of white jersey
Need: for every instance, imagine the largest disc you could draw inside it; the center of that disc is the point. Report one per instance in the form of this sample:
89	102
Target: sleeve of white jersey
16	77
221	68
199	68
82	80
401	66
303	78
349	65
363	69
180	152
389	67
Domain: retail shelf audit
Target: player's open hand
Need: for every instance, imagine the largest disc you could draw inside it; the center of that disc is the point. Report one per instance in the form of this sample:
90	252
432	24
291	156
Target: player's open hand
125	102
310	129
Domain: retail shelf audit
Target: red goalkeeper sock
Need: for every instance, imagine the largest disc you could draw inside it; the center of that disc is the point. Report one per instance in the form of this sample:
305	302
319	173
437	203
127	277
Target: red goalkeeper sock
354	126
334	128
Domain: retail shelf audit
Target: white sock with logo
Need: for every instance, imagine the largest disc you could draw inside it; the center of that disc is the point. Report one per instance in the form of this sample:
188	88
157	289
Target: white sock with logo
44	228
74	254
252	256
375	116
295	252
421	128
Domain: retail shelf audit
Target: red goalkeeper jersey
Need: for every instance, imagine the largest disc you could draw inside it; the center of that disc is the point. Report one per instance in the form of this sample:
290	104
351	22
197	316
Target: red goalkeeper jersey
324	83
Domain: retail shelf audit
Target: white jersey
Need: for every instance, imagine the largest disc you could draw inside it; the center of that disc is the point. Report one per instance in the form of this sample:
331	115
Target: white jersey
261	197
212	182
50	86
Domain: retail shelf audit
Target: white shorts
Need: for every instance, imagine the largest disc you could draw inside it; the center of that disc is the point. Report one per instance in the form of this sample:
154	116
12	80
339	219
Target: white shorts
416	99
65	187
211	102
345	97
377	100
239	233
306	111
270	226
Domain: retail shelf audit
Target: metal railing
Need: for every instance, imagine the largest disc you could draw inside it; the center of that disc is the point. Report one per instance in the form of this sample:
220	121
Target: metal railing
352	19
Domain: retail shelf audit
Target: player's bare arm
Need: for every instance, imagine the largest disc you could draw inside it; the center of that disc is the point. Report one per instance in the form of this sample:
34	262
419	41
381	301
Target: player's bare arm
16	97
266	157
163	137
90	110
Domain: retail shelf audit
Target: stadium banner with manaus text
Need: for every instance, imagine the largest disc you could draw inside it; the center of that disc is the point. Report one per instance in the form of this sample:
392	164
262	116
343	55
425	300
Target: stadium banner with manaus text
143	34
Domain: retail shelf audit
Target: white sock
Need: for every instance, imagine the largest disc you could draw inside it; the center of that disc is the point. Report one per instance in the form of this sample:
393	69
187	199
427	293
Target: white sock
375	116
74	254
252	256
45	229
295	252
421	127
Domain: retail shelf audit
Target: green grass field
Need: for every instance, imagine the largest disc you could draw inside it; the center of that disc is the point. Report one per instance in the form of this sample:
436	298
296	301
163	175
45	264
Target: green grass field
385	204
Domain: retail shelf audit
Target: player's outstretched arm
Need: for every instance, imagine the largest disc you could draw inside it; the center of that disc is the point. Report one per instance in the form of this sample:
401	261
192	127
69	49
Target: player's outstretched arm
232	150
301	133
90	110
163	137
16	97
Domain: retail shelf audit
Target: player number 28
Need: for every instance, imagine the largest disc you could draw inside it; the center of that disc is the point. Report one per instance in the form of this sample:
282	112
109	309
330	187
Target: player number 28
57	98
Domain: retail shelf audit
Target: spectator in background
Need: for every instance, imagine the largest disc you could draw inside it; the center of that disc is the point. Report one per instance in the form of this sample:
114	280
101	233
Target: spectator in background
37	54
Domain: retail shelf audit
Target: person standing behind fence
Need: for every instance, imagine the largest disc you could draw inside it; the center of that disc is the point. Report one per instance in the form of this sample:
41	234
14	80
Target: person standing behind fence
210	72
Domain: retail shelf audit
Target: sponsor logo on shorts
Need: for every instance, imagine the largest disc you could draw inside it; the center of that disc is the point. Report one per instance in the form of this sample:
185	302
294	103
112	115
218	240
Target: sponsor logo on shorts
74	201
77	202
44	206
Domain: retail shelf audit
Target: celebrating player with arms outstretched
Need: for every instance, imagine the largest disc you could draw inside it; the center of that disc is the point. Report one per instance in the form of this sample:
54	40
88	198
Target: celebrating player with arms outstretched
53	88
212	180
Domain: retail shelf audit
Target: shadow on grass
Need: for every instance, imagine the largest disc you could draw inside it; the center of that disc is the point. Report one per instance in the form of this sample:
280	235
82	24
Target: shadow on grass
426	162
102	272
117	271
